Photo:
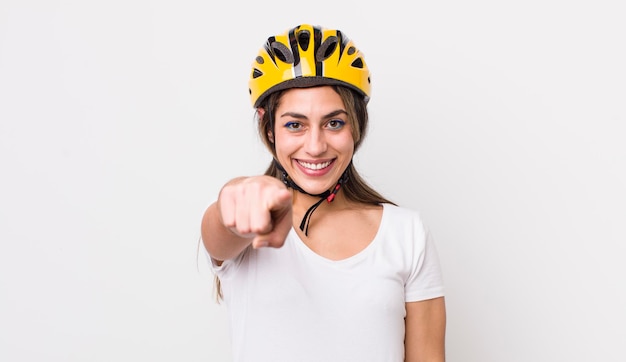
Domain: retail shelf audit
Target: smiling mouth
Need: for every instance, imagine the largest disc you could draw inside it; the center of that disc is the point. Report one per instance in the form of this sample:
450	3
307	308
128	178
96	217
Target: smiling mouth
314	166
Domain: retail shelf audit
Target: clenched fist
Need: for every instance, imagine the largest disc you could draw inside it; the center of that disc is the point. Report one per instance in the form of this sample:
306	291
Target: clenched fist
257	208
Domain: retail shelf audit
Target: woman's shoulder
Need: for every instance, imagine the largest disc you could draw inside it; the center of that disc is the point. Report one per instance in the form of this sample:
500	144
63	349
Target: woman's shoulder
402	221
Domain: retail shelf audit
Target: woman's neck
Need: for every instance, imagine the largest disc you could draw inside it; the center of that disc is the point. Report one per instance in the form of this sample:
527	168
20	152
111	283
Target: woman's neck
302	202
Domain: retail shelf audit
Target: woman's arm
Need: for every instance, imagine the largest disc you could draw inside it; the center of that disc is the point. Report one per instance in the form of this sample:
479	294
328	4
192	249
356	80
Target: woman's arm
425	331
249	210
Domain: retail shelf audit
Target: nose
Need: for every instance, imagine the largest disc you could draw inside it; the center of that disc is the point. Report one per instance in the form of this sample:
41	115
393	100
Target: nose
315	143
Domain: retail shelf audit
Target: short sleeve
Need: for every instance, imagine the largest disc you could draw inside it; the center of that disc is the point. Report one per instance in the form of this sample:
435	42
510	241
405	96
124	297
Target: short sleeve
228	266
425	280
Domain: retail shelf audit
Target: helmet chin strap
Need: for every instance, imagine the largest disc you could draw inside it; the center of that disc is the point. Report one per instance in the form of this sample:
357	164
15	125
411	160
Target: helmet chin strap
328	195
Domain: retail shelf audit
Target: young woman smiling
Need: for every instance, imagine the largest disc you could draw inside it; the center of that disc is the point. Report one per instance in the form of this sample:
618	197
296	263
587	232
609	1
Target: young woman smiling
313	264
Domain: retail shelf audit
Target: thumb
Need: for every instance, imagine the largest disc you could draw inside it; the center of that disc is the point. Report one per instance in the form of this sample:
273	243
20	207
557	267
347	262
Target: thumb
280	200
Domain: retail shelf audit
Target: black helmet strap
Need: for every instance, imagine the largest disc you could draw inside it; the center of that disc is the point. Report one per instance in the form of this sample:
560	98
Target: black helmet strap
327	195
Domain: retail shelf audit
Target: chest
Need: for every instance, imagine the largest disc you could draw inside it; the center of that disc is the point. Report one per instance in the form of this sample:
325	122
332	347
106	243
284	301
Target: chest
292	297
341	235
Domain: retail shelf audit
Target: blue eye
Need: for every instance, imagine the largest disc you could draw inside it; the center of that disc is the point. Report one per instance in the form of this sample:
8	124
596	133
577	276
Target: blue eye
336	124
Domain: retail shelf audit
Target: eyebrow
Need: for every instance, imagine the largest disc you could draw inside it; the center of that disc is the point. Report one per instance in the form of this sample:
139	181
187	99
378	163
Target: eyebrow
302	116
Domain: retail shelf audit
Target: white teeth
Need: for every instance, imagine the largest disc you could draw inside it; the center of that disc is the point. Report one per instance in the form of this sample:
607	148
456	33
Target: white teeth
314	166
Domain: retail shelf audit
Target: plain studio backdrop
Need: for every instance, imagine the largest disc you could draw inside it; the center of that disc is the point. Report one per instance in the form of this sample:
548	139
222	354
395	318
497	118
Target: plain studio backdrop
501	122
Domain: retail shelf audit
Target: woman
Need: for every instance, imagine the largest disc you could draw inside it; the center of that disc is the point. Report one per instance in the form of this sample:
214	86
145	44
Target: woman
315	265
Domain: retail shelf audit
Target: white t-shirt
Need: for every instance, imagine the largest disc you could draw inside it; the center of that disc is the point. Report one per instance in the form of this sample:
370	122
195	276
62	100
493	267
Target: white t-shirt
291	304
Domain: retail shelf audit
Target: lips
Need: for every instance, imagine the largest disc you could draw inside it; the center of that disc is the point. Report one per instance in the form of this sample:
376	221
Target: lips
314	166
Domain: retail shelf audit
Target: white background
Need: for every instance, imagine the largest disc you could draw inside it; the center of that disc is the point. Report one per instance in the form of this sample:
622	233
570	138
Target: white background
502	122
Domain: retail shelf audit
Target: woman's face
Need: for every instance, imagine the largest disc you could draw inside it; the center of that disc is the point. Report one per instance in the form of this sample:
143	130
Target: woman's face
313	137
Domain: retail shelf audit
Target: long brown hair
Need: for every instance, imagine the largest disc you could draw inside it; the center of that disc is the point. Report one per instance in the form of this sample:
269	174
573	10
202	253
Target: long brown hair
355	188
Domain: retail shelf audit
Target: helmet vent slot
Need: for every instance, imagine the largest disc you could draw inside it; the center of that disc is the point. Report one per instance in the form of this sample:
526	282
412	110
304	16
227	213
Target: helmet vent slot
326	49
304	38
282	52
358	63
256	73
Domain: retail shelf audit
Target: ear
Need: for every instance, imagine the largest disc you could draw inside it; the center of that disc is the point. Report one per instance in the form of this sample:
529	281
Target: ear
260	112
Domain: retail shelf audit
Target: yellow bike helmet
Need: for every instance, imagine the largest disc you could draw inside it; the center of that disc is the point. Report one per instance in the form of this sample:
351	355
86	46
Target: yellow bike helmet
308	56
